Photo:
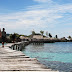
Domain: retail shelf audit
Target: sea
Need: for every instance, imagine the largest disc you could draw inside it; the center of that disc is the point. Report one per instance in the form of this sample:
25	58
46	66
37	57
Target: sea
57	56
0	44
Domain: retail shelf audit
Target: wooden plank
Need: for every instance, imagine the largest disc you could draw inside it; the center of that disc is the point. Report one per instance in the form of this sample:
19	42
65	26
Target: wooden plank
27	71
12	60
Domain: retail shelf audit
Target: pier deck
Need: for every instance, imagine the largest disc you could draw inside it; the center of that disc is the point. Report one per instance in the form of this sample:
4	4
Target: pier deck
16	61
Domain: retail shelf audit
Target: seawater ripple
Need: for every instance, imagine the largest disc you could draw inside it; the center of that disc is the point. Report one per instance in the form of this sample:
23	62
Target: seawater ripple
57	56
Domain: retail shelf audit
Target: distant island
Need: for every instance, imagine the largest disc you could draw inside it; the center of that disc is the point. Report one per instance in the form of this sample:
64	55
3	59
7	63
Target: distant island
48	38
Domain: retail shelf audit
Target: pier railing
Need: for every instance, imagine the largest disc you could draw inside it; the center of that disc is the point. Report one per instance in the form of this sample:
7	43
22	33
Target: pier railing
19	45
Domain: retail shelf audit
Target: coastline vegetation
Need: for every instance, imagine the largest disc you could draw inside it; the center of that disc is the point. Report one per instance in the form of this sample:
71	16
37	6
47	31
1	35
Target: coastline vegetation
15	37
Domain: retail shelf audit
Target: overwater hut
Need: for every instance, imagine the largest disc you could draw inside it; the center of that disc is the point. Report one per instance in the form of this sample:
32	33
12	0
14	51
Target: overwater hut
37	36
45	38
24	38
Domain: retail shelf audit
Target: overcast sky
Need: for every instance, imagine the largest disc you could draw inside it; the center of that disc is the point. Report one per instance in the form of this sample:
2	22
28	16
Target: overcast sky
23	16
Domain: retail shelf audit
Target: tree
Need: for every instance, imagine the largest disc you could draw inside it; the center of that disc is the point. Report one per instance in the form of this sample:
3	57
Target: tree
56	36
14	37
10	37
33	32
50	35
42	32
47	33
17	35
69	37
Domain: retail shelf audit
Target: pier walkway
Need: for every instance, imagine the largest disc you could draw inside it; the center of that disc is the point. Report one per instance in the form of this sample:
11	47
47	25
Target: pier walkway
16	61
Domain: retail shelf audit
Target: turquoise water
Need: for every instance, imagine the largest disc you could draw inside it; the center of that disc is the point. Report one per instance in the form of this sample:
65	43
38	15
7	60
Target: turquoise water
57	56
0	44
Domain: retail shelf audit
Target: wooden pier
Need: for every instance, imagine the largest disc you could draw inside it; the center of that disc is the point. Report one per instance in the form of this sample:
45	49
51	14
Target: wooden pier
16	61
19	45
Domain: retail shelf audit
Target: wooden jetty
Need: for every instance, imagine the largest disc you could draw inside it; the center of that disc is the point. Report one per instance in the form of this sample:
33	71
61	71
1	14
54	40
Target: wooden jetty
19	45
41	41
16	61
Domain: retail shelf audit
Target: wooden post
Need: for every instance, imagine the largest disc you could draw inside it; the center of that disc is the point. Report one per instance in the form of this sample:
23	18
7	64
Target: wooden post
16	47
13	47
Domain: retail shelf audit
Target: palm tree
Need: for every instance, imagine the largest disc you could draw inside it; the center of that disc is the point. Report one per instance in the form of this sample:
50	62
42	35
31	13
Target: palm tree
47	33
69	37
42	32
33	32
56	36
50	35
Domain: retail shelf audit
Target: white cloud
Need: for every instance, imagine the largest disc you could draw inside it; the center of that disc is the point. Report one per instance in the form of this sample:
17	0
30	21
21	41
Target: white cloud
38	17
44	1
26	19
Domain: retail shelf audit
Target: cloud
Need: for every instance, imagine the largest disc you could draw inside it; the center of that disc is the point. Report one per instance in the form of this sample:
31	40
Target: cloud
44	1
37	17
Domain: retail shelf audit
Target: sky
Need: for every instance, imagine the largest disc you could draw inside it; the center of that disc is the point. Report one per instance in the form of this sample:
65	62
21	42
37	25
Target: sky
24	16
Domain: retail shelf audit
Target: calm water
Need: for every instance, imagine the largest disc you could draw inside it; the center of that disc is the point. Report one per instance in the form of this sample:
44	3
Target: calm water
0	44
57	56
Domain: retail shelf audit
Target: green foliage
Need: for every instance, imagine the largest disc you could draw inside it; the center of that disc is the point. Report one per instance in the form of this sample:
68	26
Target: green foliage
14	37
56	36
42	32
50	35
33	32
69	37
10	36
47	33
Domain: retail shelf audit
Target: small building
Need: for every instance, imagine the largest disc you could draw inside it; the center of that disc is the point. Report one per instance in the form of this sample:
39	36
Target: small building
37	36
63	39
21	37
24	38
45	38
